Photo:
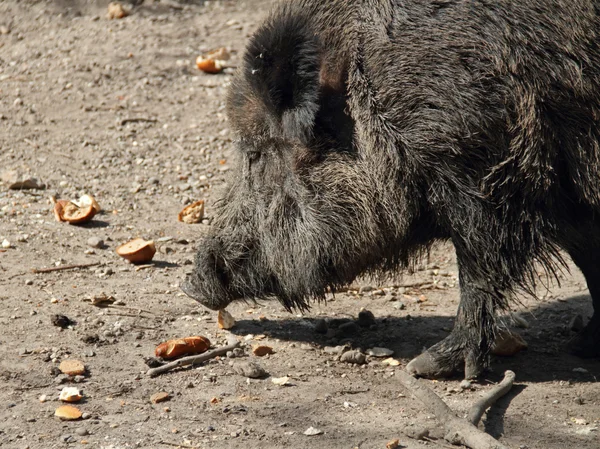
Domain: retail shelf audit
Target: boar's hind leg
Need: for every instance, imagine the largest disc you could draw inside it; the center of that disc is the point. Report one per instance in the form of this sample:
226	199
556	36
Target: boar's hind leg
587	342
469	343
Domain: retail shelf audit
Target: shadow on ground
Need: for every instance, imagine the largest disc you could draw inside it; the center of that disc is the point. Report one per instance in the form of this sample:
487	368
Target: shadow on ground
545	360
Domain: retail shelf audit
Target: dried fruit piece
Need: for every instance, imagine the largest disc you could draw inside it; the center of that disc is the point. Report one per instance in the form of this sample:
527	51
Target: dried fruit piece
68	413
116	11
160	397
392	444
70	394
261	351
194	213
182	346
209	65
221	54
72	367
100	300
508	343
137	251
72	213
88	200
390	362
225	320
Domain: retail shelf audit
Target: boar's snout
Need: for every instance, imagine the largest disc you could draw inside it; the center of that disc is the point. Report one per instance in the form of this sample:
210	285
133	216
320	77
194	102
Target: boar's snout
208	283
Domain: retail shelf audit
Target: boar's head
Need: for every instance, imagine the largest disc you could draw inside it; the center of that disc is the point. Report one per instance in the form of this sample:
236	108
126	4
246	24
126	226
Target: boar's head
308	207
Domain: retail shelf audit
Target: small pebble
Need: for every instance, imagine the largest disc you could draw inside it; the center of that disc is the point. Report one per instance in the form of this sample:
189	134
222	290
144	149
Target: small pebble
417	433
465	384
61	321
81	432
95	242
587	430
576	324
321	326
333	349
349	328
251	370
366	318
399	305
355	357
380	352
312	431
160	397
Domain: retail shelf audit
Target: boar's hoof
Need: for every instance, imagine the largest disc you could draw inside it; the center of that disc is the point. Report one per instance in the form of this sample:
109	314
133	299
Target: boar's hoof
586	343
427	365
446	359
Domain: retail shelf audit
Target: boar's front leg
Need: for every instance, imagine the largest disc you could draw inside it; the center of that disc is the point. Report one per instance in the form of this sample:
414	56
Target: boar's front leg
469	343
587	343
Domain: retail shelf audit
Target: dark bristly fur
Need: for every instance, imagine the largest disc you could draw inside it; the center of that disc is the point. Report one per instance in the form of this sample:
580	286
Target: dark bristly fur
368	129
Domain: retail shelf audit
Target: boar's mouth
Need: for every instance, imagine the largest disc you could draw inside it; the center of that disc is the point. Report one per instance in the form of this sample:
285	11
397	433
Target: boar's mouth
210	287
189	287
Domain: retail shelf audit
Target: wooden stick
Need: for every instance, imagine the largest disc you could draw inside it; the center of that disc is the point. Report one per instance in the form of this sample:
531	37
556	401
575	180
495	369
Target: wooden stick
182	445
193	359
479	408
458	431
138	119
64	267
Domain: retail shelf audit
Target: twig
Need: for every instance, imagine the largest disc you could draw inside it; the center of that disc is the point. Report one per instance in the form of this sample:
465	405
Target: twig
31	142
168	443
64	267
192	359
134	309
125	314
439	443
148	328
479	408
458	431
138	119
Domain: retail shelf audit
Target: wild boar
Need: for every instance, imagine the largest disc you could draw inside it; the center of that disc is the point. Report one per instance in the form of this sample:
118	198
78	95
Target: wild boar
370	129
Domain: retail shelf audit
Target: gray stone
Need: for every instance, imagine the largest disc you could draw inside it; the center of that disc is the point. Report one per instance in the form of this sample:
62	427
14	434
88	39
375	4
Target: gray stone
251	370
95	242
576	324
355	357
321	326
379	352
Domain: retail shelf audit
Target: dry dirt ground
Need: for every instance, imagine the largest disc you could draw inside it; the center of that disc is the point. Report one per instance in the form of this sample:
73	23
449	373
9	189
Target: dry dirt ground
69	81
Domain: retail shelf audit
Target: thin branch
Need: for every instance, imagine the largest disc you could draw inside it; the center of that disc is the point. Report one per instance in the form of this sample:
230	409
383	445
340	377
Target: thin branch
64	267
457	430
193	359
138	119
479	408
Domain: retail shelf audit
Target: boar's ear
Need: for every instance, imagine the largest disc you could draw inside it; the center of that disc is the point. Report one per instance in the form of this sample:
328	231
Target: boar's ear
282	67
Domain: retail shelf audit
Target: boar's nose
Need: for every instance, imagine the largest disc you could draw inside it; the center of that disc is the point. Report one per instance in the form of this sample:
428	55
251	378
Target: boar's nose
208	283
189	287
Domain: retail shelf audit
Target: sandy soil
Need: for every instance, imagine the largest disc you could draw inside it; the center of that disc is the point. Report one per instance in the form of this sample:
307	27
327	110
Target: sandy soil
118	109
